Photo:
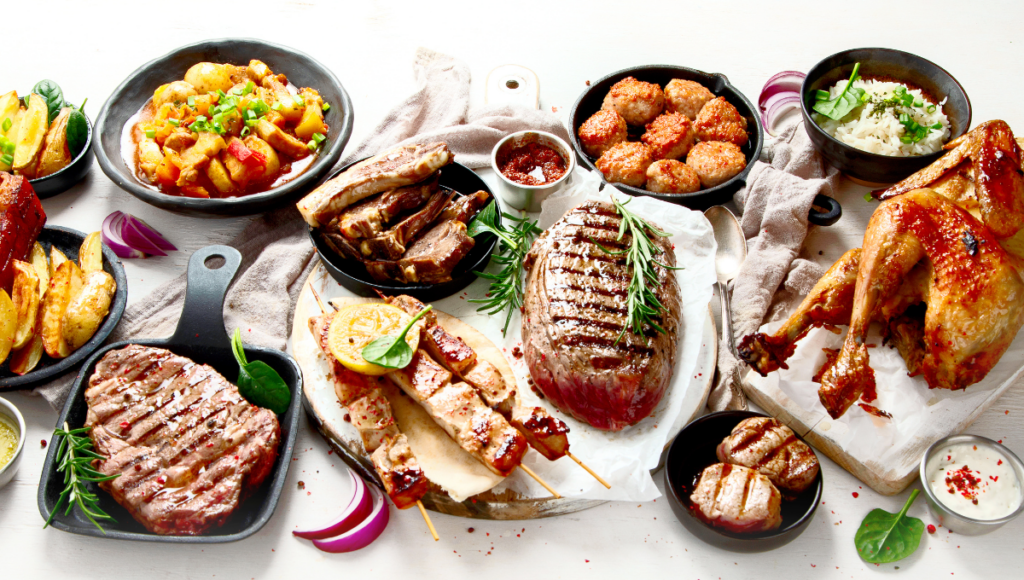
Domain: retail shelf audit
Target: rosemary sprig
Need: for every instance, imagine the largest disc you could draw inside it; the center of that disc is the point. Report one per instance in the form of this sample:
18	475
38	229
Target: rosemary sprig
643	305
76	455
506	289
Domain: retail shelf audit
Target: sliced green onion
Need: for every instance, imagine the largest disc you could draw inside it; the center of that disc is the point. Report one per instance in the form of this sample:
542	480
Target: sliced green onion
151	133
245	131
299	102
9	147
326	107
276	106
7	159
250	114
174	122
319	138
249	87
867	197
311	145
251	122
937	126
259	107
7	125
918	103
931	108
191	101
821	95
221	94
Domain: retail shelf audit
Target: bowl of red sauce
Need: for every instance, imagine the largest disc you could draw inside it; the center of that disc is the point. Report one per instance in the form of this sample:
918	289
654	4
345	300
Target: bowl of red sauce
531	165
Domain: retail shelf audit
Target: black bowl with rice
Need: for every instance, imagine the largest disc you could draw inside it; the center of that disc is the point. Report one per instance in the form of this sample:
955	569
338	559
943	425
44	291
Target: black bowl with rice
871	144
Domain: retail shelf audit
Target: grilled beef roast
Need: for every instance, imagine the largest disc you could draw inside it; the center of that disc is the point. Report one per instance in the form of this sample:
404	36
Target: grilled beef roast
188	447
575	309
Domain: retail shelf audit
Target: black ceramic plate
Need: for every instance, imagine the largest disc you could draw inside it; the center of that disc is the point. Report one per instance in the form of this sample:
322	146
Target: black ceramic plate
200	336
64	179
887	63
69	242
591	99
353	275
692	451
301	70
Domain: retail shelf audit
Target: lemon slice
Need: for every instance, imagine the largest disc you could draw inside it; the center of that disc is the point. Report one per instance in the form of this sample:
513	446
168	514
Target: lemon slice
358	325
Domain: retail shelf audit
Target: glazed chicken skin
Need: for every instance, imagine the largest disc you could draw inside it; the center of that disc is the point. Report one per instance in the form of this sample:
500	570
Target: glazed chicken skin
773	450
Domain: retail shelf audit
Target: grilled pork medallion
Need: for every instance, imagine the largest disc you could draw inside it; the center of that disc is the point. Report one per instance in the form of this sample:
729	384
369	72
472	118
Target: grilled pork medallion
188	447
737	499
575	309
772	449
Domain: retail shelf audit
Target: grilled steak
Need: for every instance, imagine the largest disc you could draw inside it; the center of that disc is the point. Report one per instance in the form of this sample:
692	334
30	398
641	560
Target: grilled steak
576	307
188	447
737	499
772	449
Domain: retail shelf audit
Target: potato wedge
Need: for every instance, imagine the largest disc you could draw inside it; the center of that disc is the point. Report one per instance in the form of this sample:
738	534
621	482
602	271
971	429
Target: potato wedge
42	267
87	310
25	295
90	256
8	322
57	258
27	357
30	134
8	108
65	285
56	155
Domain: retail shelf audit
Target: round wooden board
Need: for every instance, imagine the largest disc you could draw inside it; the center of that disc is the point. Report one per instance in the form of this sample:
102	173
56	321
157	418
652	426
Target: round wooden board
328	417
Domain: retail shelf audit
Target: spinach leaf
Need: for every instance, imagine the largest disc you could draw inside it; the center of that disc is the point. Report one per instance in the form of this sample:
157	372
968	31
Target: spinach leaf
50	91
77	132
258	382
846	101
884	537
483	222
392	352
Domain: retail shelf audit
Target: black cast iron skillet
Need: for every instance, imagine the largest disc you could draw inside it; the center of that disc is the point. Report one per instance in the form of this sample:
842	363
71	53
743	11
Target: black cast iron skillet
69	241
353	275
200	336
590	102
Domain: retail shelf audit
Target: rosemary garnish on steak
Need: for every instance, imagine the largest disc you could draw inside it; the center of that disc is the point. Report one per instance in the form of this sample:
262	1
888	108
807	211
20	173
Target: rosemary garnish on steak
506	290
76	455
643	304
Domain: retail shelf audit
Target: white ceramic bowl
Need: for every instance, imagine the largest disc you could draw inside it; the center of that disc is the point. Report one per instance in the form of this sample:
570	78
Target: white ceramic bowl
529	197
12	416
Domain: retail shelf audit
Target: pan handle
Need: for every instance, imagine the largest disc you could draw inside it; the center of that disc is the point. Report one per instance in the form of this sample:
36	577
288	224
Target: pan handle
202	318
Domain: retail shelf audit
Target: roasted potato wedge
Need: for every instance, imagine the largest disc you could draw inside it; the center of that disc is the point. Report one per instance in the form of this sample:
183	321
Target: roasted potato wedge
25	295
57	258
42	267
30	135
65	285
9	106
27	357
87	310
56	155
8	324
90	256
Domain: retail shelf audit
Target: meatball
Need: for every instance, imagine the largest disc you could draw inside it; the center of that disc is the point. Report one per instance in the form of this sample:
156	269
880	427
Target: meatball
601	131
670	136
626	163
686	97
638	102
718	120
672	176
716	162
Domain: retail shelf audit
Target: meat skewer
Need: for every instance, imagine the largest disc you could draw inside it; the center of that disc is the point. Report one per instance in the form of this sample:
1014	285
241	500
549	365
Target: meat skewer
370	411
546	434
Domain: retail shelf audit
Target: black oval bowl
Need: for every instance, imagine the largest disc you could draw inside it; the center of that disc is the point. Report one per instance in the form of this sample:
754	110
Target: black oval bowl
692	451
591	99
882	62
71	174
353	275
132	94
69	241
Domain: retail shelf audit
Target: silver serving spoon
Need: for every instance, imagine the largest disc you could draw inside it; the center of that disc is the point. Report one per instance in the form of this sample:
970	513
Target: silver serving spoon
732	251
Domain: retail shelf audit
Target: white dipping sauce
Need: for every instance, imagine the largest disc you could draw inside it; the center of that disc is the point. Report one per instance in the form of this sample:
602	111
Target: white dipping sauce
975	481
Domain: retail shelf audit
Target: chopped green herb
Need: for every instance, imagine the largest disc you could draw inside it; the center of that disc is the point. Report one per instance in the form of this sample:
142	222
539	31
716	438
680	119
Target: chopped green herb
326	107
868	197
151	133
276	106
7	159
191	101
930	109
249	87
319	138
7	125
259	107
299	102
174	122
245	131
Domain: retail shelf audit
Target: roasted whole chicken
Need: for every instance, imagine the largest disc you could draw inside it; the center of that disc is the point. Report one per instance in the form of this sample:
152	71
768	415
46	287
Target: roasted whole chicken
940	270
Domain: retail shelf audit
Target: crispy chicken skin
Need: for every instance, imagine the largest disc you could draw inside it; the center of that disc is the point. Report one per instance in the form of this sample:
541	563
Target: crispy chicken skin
638	102
603	130
737	499
670	136
716	162
672	176
626	163
686	97
719	120
773	450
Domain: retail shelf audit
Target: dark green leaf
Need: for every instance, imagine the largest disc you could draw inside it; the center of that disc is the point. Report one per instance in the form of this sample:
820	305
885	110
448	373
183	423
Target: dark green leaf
846	101
51	93
884	537
77	132
390	351
483	222
258	382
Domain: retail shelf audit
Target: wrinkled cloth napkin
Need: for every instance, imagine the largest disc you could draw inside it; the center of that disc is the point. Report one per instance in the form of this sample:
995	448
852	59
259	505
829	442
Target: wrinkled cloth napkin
775	202
277	256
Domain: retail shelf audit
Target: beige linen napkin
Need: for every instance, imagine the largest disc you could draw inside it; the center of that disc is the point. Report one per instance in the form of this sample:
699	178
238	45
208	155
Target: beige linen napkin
277	256
774	205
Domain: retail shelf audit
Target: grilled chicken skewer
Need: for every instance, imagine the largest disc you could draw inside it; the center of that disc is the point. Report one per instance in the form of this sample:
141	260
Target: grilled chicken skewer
547	434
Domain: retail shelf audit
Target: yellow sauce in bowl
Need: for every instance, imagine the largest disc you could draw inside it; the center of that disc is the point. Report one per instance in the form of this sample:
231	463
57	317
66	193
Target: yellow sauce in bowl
8	442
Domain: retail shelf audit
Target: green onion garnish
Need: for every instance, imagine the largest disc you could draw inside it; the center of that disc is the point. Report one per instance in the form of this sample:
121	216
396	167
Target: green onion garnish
311	145
326	107
151	133
245	131
221	94
259	107
249	86
7	159
822	95
319	138
7	125
937	126
931	108
276	106
191	101
299	102
174	122
251	122
867	197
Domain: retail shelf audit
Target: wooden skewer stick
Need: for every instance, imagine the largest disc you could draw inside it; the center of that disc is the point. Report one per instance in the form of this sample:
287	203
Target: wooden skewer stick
426	518
590	471
540	481
318	301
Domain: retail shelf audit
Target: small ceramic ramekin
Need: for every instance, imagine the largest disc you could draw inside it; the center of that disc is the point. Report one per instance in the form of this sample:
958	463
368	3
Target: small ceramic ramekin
529	197
12	416
948	518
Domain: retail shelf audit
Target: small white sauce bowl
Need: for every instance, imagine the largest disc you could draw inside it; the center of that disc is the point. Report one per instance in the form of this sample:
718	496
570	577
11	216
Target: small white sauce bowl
950	519
11	414
529	197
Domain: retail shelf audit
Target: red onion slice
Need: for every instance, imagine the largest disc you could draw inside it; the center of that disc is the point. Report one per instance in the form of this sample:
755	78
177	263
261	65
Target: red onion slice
355	513
779	107
152	235
131	237
785	81
134	237
111	234
362	535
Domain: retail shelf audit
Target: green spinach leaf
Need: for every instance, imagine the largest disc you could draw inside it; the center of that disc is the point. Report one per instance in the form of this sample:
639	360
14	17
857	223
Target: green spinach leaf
392	352
884	537
258	382
77	132
51	93
849	99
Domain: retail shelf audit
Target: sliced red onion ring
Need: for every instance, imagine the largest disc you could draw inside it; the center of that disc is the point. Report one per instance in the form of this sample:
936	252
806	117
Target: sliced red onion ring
363	534
111	233
152	235
355	513
130	237
786	81
772	115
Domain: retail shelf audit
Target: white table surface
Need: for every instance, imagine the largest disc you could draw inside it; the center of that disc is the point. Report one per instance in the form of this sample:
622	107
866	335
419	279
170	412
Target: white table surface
90	47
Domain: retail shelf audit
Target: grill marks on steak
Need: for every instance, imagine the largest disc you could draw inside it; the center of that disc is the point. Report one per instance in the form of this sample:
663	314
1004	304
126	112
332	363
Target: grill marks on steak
576	306
188	447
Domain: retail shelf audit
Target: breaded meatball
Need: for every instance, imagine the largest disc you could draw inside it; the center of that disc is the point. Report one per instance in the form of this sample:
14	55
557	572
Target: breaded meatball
601	131
716	161
626	163
718	120
672	176
686	97
670	136
638	102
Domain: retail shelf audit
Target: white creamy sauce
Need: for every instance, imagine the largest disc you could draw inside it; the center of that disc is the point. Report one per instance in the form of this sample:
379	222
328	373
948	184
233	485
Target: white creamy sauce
975	481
